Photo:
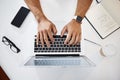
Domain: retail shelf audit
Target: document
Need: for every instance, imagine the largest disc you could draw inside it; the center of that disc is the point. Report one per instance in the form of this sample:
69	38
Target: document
103	23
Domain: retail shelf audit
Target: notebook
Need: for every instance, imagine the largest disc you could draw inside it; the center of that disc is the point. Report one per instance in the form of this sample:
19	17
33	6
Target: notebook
104	17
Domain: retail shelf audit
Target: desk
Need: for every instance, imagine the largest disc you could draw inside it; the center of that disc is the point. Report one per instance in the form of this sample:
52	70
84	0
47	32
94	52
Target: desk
107	68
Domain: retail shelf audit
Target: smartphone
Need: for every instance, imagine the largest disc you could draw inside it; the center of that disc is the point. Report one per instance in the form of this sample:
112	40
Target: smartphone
20	17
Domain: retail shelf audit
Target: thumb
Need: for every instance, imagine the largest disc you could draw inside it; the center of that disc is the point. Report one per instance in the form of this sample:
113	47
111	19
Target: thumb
54	29
63	31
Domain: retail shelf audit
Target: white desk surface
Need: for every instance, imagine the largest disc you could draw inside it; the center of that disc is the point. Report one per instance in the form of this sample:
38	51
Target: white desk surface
107	68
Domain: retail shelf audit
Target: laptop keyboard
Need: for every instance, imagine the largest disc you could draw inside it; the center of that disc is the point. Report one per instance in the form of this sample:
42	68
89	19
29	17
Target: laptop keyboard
57	46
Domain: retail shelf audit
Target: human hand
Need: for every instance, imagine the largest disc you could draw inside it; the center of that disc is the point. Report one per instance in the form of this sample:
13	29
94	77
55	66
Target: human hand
73	29
46	29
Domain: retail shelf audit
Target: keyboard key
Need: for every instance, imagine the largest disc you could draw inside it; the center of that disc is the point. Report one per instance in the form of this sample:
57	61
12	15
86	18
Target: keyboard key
36	49
35	45
55	46
39	45
45	45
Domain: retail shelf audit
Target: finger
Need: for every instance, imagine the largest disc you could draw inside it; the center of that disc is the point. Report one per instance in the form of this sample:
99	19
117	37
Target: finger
63	31
54	29
77	39
46	38
37	38
50	35
41	39
68	38
78	43
72	40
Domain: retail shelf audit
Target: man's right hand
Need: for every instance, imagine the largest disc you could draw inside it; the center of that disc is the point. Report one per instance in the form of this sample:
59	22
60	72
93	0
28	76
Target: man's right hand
46	29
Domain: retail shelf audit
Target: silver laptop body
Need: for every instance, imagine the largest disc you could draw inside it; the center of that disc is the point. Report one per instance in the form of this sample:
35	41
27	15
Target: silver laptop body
58	55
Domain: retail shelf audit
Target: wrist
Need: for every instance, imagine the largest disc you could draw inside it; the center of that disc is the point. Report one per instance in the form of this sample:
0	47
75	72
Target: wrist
75	22
39	15
78	19
39	18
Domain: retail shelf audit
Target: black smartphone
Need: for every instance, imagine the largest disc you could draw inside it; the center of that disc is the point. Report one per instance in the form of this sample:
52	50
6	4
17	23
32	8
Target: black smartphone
20	16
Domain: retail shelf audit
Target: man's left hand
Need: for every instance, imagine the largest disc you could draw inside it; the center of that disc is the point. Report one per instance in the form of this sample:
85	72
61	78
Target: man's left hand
73	29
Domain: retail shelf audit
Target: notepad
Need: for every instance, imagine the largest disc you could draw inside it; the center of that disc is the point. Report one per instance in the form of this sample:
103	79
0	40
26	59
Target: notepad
105	18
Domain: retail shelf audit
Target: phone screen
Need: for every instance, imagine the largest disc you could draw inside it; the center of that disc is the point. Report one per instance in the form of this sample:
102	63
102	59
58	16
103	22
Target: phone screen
20	17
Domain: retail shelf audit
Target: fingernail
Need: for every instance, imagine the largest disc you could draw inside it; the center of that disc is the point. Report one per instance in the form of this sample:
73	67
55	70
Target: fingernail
53	40
42	45
65	43
69	44
37	43
48	46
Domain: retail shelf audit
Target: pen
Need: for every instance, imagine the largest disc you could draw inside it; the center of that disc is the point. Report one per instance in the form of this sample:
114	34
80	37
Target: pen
92	42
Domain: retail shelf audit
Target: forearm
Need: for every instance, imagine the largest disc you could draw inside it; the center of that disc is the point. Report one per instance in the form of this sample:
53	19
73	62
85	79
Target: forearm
82	7
36	9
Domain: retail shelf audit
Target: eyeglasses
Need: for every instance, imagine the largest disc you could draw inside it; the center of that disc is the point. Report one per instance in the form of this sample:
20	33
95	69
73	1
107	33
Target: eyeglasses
98	1
13	47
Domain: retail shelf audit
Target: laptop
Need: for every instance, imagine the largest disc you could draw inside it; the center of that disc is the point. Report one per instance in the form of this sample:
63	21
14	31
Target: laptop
58	54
